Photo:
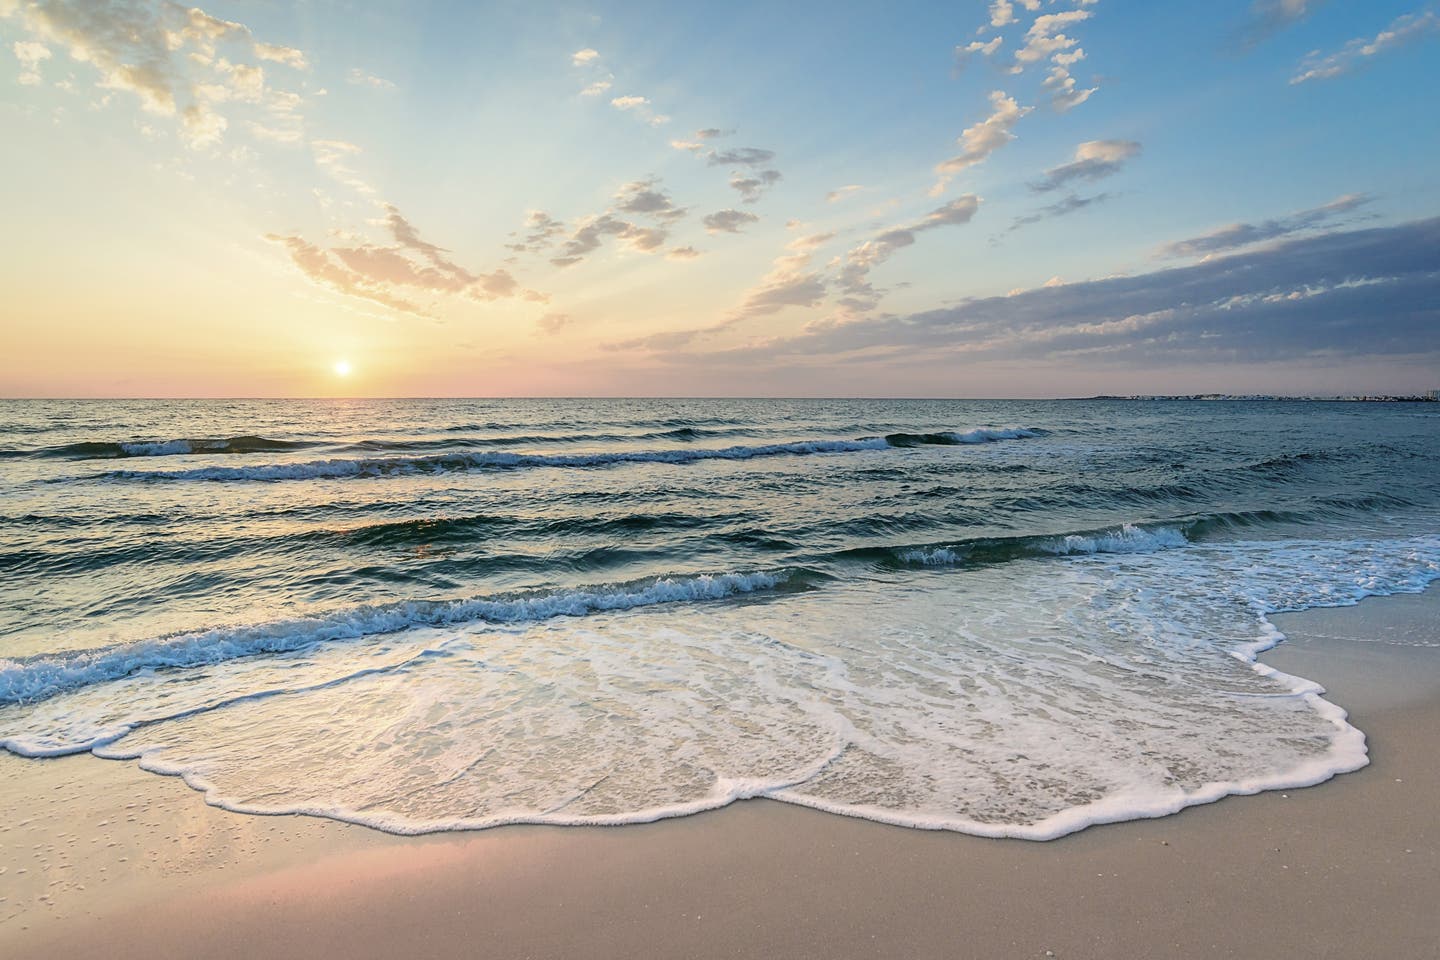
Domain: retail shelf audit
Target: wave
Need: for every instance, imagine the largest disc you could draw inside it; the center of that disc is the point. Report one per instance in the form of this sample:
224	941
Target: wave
947	439
38	678
106	450
387	466
1127	538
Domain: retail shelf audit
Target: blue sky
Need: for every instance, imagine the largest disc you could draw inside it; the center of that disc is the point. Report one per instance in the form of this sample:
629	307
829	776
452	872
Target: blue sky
527	198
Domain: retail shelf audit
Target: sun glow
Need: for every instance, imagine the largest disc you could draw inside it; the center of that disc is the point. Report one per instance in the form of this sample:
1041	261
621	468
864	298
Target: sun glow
342	368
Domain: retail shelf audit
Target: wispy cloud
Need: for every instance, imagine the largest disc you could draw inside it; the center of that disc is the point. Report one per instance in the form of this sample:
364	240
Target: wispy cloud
1268	17
1358	52
1060	208
640	107
1237	235
360	78
541	230
790	281
977	142
1094	160
553	323
854	274
392	274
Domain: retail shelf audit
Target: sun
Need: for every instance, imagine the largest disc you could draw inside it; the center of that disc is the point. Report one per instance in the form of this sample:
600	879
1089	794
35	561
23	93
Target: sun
342	368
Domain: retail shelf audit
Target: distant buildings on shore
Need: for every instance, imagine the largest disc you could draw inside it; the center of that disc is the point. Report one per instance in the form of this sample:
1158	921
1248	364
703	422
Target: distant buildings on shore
1427	397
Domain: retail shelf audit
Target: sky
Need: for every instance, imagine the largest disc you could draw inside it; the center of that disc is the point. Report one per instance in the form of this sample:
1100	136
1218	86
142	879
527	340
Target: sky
1017	198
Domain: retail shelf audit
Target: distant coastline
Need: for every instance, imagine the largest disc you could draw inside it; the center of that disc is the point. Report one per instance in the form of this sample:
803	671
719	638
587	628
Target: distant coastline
1375	398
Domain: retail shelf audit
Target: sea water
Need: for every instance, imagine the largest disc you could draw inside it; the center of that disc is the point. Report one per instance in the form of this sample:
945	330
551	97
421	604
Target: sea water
1003	618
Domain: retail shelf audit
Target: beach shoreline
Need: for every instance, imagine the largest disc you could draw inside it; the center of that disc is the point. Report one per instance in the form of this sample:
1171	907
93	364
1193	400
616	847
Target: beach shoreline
103	859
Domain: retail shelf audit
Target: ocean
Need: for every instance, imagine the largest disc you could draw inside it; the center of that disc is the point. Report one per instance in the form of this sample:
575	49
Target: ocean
1004	618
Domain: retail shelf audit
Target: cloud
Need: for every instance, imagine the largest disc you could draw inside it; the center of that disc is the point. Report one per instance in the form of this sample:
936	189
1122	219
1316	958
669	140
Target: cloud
751	188
317	264
1065	94
1268	17
641	107
288	56
977	142
1043	39
640	198
1060	208
740	157
790	282
840	193
542	229
1094	160
682	253
854	274
553	323
387	273
728	221
167	56
601	81
1002	13
1363	293
1358	52
964	54
592	232
360	78
1243	234
332	157
646	198
31	55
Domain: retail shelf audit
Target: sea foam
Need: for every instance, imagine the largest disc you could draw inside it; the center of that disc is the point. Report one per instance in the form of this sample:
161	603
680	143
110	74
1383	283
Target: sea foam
1028	699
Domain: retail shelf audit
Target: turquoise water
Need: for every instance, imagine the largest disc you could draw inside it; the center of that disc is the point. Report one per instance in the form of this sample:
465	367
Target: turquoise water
999	617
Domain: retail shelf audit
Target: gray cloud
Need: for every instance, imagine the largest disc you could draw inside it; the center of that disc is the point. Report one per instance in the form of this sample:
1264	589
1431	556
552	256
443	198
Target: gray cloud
739	157
1094	160
1060	208
590	234
541	231
728	221
752	188
1361	293
646	198
1242	234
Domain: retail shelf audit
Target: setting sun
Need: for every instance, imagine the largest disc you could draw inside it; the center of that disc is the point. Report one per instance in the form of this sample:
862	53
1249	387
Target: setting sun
342	368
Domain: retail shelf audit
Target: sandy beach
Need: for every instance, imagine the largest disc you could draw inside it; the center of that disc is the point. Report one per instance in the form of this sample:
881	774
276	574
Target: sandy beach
99	859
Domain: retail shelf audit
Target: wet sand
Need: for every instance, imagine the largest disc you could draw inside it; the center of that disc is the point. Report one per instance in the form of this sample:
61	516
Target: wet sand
99	859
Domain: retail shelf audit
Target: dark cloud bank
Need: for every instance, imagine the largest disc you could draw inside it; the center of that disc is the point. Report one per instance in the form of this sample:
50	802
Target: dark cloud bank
1341	295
